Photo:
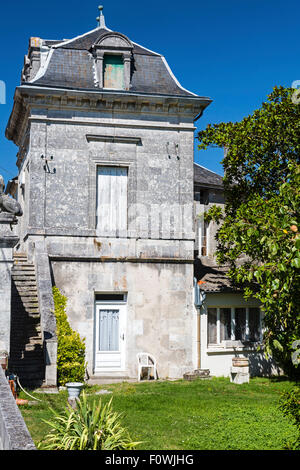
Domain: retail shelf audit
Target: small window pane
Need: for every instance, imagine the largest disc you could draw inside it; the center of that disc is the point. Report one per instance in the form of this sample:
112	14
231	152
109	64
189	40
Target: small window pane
110	297
254	324
212	326
240	324
225	324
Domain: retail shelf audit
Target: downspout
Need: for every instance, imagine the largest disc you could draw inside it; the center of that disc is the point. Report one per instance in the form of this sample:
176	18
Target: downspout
198	338
199	298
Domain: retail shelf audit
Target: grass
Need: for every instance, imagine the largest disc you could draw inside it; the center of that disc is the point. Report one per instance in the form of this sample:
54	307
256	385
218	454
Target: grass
204	414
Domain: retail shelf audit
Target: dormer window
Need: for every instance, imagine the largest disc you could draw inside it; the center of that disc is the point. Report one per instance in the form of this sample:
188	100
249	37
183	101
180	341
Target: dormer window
113	72
113	53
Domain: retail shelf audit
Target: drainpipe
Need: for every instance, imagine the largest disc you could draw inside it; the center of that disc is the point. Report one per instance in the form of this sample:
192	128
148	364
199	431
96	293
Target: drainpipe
198	339
199	298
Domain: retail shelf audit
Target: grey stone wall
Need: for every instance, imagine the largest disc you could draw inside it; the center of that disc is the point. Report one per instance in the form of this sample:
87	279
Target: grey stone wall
62	197
46	306
153	260
160	316
8	240
14	434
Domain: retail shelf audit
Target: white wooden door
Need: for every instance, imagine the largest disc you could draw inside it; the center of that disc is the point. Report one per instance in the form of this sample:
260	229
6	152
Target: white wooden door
110	337
111	200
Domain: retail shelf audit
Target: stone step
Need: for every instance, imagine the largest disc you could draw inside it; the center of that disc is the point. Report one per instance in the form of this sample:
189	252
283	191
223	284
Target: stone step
27	356
17	273
23	276
32	357
24	313
23	293
28	333
25	299
31	349
18	256
30	304
25	283
29	327
31	346
23	267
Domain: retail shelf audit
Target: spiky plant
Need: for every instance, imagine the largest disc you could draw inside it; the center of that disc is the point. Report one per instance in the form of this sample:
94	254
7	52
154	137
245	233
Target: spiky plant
87	427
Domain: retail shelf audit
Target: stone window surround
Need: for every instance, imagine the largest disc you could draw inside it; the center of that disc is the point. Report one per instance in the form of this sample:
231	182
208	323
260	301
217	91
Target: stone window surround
95	162
123	48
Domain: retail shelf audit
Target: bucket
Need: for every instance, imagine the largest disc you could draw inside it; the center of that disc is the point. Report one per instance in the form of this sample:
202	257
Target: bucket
74	389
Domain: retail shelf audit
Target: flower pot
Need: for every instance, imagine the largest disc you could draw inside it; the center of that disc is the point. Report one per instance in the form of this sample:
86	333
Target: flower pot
74	389
3	359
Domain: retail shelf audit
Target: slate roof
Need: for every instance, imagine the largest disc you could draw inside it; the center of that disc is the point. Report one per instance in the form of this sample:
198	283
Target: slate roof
213	277
207	178
70	64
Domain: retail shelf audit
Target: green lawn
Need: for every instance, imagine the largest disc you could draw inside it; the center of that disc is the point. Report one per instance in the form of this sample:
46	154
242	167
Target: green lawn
204	414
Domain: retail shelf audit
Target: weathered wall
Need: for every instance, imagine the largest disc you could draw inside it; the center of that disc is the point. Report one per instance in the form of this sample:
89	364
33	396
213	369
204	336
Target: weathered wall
160	316
160	172
14	434
8	240
153	260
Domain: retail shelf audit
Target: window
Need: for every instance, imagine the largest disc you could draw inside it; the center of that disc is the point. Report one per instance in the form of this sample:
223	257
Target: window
113	56
233	324
110	297
108	330
112	200
201	195
202	236
113	72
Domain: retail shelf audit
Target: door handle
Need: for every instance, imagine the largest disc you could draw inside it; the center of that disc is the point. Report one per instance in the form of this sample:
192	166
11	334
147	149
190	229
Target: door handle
122	336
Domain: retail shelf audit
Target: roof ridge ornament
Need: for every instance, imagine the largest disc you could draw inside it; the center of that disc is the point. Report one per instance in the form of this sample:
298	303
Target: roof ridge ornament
100	18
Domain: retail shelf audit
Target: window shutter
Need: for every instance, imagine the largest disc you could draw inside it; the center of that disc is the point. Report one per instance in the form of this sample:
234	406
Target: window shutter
111	200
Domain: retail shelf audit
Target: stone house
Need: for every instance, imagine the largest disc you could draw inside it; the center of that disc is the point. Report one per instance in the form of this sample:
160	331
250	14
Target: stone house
110	195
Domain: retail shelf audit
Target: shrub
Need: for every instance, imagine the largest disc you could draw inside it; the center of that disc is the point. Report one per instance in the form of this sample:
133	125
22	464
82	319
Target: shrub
87	427
71	348
290	407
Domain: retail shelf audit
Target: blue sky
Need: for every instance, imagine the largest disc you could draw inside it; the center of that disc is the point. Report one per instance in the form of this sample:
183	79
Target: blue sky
233	51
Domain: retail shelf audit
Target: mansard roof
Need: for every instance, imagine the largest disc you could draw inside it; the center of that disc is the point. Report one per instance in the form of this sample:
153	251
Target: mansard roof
71	64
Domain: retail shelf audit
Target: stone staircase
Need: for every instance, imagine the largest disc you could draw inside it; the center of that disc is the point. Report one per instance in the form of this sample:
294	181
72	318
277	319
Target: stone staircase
26	355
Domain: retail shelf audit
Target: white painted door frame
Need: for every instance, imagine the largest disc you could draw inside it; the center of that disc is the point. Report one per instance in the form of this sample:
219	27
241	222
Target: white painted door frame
110	345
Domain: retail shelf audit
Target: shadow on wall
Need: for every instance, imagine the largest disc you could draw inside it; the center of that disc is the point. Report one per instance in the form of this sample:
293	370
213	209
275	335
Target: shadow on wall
260	366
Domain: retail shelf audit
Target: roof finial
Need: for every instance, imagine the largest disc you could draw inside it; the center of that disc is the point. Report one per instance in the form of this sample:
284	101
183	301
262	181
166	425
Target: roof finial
101	19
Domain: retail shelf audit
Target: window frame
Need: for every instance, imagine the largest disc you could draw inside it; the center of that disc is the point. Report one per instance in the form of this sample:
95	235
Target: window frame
122	47
233	342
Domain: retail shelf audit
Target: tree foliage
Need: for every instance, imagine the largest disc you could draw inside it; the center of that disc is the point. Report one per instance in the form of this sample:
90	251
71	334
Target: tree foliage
259	230
71	348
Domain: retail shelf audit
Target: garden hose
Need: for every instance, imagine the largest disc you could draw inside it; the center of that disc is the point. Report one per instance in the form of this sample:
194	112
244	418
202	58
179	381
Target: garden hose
25	390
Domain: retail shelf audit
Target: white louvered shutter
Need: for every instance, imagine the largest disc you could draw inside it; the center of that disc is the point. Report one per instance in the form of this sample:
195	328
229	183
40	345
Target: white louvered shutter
112	201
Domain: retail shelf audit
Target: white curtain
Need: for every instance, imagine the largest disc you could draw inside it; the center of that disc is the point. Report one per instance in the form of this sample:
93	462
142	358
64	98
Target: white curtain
109	330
